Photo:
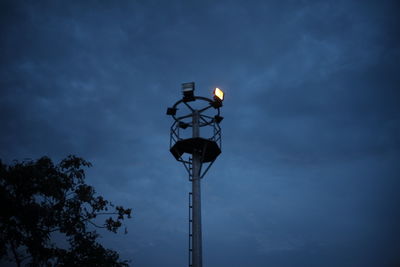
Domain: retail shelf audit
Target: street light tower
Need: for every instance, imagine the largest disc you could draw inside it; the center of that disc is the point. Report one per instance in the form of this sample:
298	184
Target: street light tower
196	151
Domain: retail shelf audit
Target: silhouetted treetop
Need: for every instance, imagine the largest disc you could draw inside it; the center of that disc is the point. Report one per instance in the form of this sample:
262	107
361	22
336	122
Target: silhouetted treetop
41	200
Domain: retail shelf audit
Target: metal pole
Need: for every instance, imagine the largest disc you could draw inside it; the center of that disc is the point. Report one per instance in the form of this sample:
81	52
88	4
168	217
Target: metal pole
197	239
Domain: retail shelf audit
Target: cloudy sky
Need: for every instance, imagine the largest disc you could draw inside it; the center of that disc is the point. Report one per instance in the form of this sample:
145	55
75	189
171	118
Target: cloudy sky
308	174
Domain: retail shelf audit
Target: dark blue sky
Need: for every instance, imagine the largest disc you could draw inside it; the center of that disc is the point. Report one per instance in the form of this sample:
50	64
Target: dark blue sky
309	173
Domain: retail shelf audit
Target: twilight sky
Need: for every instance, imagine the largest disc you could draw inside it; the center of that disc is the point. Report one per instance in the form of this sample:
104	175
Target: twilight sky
309	170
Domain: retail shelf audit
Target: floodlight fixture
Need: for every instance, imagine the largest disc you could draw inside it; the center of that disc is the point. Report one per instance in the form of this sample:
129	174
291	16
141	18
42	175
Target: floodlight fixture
188	91
218	98
218	94
183	125
218	118
171	111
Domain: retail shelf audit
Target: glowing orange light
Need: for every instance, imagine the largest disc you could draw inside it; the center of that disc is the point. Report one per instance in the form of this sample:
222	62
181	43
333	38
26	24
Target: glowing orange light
219	94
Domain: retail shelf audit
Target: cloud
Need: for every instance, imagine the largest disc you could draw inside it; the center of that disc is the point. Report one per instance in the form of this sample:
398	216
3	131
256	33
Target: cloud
310	135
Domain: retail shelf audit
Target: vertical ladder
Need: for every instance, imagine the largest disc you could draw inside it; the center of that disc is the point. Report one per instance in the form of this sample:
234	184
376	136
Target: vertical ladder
190	229
190	246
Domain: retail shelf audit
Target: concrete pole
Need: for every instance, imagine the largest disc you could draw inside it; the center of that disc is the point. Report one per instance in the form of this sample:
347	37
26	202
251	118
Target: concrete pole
197	239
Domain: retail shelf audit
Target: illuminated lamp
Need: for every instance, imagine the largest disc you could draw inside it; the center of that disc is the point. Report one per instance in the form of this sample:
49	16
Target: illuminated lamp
218	94
218	98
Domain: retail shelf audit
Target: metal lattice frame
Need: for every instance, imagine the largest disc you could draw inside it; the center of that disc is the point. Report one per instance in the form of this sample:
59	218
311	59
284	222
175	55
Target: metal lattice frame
205	121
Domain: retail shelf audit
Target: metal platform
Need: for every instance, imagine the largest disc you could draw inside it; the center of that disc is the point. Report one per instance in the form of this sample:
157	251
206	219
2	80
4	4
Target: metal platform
207	148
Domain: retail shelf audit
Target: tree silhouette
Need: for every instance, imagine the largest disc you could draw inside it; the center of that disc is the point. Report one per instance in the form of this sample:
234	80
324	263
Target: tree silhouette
41	200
